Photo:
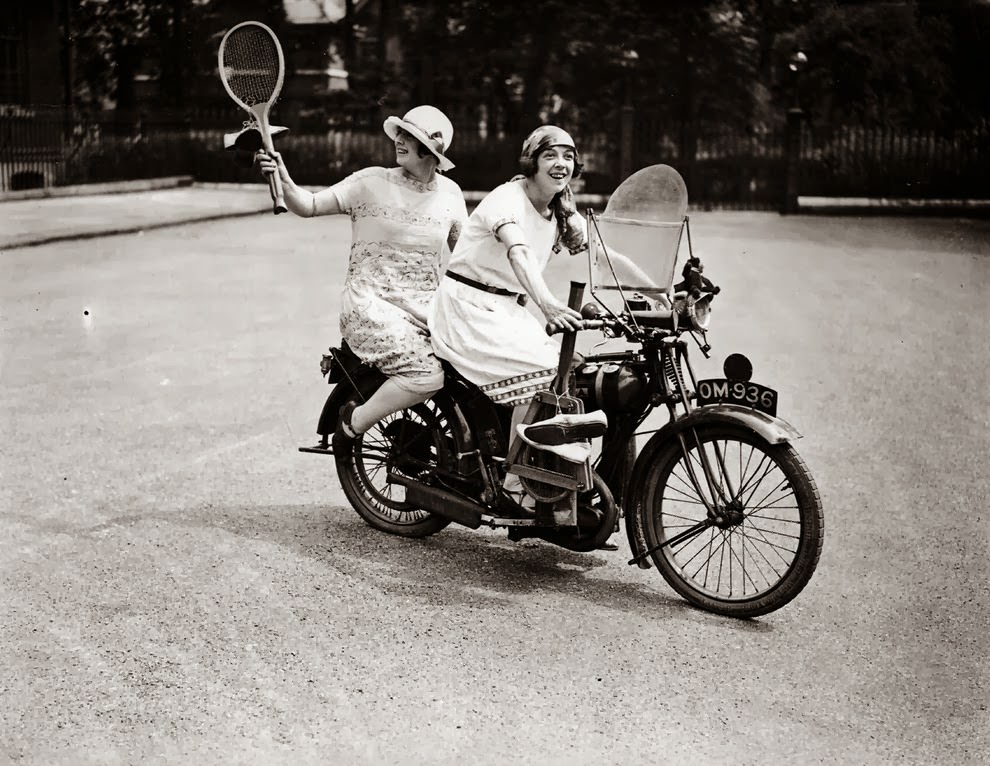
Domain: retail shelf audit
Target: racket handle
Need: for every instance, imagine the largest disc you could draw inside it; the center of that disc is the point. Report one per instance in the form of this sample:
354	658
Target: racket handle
274	180
275	187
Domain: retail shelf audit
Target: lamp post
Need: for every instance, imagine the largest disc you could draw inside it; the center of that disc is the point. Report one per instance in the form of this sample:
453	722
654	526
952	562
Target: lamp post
795	64
792	134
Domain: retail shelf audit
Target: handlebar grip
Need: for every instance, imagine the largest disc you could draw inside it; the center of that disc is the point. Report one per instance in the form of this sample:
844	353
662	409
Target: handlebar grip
586	324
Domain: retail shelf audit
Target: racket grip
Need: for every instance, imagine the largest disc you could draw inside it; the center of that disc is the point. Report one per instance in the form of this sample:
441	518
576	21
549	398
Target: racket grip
275	187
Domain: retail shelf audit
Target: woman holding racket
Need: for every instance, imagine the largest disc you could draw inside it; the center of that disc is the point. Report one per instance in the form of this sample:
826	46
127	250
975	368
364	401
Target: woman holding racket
402	218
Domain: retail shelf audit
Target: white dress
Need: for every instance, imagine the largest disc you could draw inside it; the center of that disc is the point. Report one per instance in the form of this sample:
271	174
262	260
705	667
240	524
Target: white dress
493	340
399	227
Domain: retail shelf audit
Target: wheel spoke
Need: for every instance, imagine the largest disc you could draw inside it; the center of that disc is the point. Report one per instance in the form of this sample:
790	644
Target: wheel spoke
762	530
706	561
752	569
764	559
755	479
407	441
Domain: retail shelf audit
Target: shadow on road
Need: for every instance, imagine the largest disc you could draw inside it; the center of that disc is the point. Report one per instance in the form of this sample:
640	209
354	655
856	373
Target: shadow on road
456	566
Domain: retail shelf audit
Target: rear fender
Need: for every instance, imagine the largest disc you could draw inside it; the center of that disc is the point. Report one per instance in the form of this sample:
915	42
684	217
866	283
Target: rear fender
361	380
771	429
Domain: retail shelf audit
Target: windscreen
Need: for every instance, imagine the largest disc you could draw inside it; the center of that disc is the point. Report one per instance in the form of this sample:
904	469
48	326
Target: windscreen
634	243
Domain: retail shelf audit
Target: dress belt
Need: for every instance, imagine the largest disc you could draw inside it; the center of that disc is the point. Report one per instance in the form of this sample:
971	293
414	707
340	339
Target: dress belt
521	298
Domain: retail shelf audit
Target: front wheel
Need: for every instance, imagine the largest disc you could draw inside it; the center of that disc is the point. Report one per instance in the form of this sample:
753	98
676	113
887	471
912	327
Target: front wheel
735	523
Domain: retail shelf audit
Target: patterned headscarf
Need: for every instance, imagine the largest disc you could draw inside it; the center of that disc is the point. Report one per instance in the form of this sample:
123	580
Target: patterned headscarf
544	137
562	205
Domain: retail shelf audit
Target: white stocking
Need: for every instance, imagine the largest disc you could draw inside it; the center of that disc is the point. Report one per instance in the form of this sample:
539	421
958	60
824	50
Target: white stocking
386	400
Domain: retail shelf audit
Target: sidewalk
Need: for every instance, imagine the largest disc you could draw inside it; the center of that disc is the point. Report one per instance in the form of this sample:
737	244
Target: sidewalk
40	216
78	212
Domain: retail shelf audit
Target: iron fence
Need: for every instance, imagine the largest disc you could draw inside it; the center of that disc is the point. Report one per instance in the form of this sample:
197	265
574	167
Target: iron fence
723	167
884	162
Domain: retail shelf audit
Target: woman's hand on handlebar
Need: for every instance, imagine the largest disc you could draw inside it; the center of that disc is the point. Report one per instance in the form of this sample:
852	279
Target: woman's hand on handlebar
561	318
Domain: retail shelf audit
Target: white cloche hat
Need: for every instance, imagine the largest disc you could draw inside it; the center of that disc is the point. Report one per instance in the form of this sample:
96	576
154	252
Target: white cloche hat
429	126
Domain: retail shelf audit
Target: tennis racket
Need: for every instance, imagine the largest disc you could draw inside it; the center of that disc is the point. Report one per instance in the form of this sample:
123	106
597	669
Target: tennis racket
251	69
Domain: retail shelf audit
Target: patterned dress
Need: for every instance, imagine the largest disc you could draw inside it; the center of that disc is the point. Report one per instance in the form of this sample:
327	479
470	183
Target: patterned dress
399	227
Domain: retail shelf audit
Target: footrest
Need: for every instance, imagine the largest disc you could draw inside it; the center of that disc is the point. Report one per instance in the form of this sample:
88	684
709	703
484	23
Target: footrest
318	449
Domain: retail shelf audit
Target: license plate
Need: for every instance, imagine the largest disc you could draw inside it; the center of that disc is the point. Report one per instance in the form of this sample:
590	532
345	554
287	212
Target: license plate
743	393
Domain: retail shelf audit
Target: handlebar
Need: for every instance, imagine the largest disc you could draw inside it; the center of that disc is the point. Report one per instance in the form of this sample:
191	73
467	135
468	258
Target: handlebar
664	319
657	318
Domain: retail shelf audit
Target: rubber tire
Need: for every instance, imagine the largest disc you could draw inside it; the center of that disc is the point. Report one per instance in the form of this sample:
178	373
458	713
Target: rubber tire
378	510
809	514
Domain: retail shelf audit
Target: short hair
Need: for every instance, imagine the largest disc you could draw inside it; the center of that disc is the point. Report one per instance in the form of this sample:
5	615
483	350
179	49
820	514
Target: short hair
421	150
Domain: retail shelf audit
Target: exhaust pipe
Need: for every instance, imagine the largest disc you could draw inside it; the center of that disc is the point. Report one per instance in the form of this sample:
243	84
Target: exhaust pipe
440	501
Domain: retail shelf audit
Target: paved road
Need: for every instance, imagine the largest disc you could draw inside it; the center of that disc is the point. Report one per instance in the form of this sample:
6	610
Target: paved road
181	586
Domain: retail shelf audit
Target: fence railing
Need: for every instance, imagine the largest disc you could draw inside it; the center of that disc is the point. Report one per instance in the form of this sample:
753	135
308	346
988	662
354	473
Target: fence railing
722	167
877	161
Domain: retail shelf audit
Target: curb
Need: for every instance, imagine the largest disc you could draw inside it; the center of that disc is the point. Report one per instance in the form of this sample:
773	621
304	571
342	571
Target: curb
892	206
124	188
151	184
112	232
112	187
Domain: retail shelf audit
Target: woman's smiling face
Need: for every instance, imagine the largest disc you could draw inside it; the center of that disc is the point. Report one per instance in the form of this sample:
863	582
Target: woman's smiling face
554	167
407	153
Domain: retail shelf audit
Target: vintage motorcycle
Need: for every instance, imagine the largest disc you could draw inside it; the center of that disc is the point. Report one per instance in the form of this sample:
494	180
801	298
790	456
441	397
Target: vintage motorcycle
717	498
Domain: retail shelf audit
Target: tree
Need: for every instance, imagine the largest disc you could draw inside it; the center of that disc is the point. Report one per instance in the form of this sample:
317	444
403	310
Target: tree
175	39
110	38
877	62
513	63
966	59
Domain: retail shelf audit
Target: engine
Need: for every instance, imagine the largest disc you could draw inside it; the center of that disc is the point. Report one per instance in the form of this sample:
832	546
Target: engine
610	386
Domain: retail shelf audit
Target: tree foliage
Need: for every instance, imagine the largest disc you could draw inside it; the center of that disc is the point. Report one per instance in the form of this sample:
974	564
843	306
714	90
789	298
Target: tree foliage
513	63
115	40
880	62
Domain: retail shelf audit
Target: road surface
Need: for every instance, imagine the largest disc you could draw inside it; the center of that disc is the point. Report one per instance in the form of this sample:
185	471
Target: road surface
180	585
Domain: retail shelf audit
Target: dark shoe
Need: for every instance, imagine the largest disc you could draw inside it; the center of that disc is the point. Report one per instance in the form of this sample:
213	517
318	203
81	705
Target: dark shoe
343	437
564	429
608	546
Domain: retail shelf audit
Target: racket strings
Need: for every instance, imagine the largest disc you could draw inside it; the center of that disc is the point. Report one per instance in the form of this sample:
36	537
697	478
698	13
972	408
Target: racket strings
251	65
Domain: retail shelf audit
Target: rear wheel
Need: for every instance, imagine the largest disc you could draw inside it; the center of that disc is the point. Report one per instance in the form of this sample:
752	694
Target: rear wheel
411	442
744	541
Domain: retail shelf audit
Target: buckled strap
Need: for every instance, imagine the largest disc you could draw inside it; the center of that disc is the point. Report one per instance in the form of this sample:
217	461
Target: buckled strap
520	297
479	285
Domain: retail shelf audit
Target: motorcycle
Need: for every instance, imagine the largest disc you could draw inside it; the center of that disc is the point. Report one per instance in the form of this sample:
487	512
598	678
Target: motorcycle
717	498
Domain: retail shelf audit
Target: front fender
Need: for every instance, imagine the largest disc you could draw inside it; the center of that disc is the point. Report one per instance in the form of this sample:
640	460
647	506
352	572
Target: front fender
771	429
